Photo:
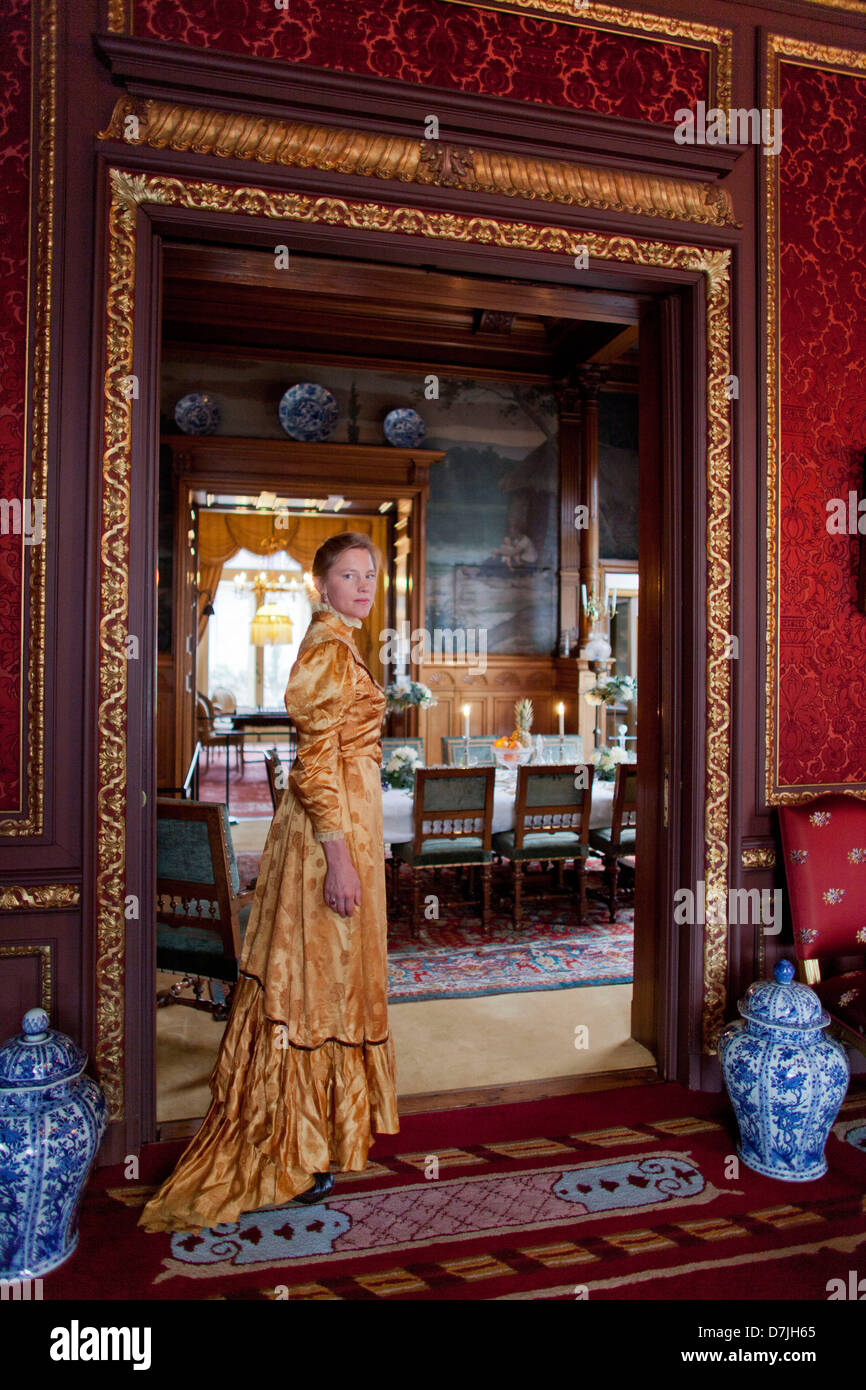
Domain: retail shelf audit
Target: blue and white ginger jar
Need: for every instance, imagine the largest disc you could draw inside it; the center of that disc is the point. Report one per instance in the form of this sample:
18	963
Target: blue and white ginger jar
785	1078
52	1119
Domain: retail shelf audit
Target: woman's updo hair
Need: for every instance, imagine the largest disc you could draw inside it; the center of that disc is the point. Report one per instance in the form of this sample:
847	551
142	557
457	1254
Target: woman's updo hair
331	550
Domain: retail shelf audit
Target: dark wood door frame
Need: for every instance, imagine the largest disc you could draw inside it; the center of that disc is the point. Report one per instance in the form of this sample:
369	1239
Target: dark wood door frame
673	555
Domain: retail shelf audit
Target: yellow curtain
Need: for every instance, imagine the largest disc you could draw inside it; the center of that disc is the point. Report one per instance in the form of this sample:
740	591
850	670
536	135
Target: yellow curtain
222	534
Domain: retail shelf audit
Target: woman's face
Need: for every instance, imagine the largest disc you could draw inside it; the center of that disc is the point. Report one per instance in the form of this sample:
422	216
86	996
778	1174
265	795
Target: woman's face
351	583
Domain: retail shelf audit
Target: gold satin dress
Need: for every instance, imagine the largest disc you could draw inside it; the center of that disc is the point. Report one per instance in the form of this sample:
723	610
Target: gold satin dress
306	1068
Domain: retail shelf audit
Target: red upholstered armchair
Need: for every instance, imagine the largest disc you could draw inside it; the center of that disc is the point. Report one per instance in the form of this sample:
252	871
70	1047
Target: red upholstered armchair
824	845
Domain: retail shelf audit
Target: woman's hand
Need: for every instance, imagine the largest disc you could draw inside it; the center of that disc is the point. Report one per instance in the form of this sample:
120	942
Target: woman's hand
342	885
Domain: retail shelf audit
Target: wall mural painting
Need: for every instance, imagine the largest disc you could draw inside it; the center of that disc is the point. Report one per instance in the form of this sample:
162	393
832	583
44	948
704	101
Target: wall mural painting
617	475
491	519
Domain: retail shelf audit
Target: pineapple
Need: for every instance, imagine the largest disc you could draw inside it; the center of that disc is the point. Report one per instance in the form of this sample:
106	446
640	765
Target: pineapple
523	722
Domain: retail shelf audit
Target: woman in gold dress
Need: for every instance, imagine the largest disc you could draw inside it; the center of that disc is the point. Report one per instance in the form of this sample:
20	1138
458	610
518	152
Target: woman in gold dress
306	1068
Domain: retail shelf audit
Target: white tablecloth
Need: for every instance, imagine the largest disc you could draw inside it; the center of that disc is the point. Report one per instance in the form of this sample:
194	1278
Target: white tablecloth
398	811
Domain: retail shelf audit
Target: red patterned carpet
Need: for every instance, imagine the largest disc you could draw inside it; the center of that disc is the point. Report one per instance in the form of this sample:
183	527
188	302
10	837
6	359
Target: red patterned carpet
628	1194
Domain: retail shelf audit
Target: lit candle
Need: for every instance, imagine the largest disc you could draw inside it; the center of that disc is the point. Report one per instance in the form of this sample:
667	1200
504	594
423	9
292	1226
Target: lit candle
465	721
560	709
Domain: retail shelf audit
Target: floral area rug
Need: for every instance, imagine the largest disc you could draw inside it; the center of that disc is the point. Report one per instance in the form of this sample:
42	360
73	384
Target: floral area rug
452	958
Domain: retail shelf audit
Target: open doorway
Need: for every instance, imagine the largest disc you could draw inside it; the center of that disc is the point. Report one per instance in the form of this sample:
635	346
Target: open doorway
512	433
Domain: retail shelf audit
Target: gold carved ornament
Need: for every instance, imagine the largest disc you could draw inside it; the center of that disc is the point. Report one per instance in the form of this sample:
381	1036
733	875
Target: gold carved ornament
38	897
128	191
269	140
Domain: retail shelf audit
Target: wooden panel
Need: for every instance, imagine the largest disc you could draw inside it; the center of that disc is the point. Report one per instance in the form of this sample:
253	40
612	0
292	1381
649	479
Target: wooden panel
25	983
491	695
165	740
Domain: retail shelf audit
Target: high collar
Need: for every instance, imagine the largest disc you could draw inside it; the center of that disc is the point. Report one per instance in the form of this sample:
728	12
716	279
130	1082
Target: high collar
331	611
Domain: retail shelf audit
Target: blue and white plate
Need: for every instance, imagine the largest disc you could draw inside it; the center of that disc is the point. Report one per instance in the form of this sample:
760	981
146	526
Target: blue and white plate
404	428
308	412
197	413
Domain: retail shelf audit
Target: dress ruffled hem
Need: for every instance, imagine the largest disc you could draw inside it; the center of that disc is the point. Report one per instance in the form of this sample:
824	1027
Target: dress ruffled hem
279	1114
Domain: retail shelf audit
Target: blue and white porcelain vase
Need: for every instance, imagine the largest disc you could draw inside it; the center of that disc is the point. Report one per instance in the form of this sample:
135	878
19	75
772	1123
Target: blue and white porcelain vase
52	1119
785	1078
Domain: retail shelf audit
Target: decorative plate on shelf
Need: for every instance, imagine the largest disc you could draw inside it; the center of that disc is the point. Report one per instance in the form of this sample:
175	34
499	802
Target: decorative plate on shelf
404	428
308	412
197	413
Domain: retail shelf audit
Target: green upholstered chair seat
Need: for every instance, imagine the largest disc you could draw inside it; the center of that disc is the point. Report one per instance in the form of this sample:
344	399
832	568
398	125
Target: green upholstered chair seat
556	844
197	950
440	851
601	838
183	851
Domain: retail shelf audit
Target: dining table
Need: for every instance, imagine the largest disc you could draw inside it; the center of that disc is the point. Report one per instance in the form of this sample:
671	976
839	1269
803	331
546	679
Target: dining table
398	809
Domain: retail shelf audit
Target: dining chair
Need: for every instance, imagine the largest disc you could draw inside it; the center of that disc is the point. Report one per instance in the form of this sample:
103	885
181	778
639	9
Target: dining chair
223	700
277	774
453	821
824	849
201	913
551	822
480	748
617	842
209	736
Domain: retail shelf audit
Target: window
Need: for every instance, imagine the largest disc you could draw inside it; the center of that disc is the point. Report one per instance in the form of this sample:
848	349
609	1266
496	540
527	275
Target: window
256	676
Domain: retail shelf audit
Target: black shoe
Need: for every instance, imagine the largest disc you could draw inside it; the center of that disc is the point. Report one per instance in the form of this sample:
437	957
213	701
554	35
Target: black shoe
322	1185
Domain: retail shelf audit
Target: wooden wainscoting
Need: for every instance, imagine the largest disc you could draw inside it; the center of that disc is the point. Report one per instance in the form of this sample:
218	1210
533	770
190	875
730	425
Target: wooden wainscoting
491	694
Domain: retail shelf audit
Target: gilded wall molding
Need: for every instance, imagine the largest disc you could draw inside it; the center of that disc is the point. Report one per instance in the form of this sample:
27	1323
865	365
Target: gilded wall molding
758	857
780	47
130	191
37	358
39	897
126	192
43	951
268	140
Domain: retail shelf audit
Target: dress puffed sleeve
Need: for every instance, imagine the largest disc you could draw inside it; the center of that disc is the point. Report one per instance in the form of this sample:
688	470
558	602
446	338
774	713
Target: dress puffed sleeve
318	699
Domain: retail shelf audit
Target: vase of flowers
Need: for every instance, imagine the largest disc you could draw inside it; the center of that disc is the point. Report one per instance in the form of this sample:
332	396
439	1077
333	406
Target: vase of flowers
606	760
399	698
399	770
612	691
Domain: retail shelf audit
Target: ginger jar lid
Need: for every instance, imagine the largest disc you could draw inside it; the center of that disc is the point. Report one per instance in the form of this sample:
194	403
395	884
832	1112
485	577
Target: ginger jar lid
38	1056
782	1002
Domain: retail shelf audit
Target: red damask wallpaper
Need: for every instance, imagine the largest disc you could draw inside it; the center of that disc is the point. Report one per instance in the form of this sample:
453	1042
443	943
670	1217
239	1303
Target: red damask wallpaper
437	44
822	361
15	55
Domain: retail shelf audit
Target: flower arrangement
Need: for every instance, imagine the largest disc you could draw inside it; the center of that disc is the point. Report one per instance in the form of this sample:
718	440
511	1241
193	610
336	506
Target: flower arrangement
612	691
403	697
399	770
605	761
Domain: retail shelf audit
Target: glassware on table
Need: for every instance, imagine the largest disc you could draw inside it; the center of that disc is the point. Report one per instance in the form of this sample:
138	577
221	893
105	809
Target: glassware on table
511	759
